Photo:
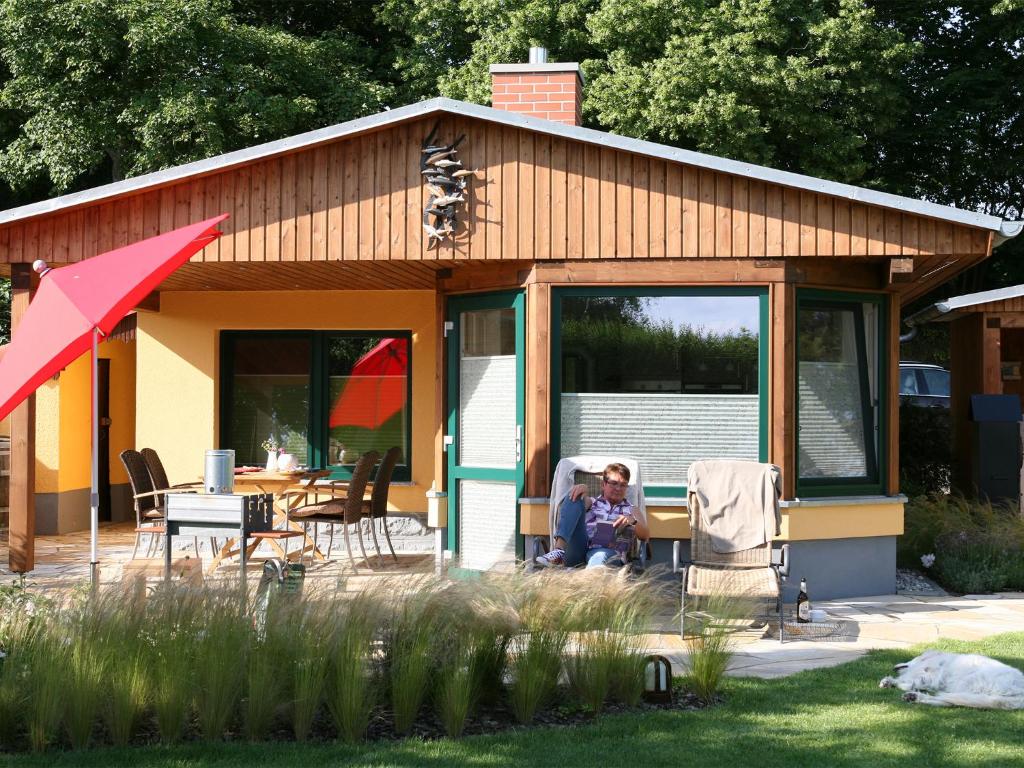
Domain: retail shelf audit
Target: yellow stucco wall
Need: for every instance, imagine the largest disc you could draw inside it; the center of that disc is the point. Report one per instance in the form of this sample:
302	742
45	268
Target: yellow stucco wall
808	523
177	408
63	421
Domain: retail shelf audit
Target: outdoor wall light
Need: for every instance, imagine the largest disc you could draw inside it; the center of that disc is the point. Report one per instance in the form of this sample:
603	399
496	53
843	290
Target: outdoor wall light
658	680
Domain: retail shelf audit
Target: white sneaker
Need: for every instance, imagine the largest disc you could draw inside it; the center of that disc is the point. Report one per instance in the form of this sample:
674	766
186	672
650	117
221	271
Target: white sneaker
555	557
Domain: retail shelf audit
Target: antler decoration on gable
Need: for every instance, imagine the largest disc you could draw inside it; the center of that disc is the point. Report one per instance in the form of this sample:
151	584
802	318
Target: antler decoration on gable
446	182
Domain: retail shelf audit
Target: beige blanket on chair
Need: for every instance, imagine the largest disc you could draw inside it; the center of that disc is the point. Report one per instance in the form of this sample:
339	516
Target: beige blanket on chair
738	502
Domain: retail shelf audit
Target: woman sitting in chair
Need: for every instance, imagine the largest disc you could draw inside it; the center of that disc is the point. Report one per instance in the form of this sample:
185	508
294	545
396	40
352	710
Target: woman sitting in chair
592	530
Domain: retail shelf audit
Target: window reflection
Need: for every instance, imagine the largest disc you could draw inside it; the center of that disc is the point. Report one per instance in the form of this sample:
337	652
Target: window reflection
663	379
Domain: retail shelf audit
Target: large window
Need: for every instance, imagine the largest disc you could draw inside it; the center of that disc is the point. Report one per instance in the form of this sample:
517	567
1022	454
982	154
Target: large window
664	377
839	400
325	396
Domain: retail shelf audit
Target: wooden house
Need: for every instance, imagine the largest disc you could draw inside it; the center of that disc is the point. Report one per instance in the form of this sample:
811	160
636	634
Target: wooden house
599	294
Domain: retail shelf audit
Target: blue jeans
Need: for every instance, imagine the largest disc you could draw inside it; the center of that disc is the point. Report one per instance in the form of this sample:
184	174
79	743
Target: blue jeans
572	528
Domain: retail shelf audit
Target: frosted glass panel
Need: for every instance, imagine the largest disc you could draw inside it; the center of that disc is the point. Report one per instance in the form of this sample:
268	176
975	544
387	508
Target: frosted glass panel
664	432
831	424
487	412
487	524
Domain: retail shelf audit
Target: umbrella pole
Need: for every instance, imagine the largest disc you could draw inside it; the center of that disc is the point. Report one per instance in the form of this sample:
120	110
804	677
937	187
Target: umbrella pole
94	496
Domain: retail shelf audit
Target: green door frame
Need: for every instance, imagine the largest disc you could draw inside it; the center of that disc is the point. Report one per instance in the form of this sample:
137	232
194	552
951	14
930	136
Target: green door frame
515	300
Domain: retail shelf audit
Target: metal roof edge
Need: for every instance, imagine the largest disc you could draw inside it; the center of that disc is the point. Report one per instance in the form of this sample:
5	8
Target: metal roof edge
963	301
725	165
1004	229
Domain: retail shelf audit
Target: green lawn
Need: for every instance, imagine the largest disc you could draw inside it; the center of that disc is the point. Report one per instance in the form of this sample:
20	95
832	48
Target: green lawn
832	717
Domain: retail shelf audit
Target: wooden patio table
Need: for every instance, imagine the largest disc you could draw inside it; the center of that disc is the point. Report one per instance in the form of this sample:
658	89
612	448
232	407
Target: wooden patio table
289	489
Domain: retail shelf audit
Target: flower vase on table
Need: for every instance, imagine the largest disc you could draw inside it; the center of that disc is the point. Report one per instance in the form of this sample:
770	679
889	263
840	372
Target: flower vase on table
272	461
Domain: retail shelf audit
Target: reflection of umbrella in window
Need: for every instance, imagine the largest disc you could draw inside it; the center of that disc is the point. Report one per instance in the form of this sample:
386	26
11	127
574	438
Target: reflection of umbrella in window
376	388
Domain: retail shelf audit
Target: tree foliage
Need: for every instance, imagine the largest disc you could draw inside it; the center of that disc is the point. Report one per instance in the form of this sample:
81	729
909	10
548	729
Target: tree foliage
137	85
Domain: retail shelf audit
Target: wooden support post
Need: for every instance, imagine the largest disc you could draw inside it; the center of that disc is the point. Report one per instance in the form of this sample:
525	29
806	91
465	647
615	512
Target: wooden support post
892	402
782	392
21	555
538	389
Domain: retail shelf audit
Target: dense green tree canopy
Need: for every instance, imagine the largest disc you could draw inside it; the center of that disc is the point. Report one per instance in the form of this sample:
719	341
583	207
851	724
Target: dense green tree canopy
137	85
916	97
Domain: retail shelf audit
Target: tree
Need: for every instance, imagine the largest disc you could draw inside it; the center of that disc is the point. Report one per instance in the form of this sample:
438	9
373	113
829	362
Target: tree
801	85
124	87
963	143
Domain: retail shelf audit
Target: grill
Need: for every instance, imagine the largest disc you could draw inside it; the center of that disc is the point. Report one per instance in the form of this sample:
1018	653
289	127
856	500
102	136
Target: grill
236	516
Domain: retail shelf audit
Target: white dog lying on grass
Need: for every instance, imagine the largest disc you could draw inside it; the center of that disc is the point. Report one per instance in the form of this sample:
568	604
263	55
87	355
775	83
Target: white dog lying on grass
958	680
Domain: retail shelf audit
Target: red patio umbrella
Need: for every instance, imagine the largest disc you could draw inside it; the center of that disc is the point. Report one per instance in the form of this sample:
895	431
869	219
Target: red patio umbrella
77	304
376	388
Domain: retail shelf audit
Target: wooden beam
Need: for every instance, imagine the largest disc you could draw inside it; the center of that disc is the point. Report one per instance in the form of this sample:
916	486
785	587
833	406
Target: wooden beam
149	304
782	383
900	270
991	355
440	376
667	271
21	554
892	405
538	389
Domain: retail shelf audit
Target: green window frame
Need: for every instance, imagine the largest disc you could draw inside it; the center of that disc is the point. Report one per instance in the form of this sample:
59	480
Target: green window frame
559	294
850	486
319	394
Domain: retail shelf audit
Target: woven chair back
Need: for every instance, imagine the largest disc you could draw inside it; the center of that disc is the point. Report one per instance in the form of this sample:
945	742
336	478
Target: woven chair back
702	553
141	482
357	486
382	483
157	473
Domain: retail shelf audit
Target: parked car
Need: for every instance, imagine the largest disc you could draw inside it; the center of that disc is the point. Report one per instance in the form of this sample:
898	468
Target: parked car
924	385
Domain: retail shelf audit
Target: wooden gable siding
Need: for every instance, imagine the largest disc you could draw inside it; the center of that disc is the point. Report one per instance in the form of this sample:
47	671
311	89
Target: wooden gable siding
1015	304
534	197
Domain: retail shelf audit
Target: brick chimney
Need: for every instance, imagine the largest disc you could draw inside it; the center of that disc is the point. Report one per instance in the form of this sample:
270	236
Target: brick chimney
539	89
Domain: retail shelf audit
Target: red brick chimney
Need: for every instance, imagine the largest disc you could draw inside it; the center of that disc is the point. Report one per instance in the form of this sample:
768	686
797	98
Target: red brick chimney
539	89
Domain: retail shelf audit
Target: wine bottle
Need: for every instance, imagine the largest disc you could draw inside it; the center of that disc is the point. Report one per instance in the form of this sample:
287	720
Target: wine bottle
803	604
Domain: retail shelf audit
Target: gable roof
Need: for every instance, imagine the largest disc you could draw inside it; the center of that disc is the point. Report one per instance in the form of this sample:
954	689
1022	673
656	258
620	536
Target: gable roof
1002	229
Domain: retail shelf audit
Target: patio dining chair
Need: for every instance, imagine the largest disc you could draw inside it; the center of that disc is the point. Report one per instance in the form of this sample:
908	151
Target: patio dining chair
148	502
158	475
747	574
377	507
344	510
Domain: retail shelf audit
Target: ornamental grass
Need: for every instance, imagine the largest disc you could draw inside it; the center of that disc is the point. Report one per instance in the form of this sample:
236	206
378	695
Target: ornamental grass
182	662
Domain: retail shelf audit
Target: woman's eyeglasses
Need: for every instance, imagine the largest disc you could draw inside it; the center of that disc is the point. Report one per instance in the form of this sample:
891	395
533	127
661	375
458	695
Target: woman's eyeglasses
616	483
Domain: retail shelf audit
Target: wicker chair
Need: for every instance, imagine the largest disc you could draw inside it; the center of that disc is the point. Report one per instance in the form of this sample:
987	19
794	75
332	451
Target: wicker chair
344	511
747	574
377	507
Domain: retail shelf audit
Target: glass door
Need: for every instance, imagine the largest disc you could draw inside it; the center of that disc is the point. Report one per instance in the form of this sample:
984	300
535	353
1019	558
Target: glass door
485	427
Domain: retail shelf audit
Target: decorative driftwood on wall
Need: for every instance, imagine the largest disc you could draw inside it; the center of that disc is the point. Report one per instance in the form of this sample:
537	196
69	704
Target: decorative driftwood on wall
445	181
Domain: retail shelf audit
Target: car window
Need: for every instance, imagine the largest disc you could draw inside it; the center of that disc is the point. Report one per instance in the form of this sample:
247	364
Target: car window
908	381
936	382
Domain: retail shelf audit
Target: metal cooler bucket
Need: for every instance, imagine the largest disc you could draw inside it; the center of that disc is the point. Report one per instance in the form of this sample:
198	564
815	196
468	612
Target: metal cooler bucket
219	476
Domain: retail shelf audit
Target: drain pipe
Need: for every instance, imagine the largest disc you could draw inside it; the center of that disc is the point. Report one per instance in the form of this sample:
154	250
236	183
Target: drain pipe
909	335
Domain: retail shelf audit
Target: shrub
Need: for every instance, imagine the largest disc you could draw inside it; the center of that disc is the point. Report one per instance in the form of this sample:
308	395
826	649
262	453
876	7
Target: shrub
310	630
220	661
977	546
174	617
925	449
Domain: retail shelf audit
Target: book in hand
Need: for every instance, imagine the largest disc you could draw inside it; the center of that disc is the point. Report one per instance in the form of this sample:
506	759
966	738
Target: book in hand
604	535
